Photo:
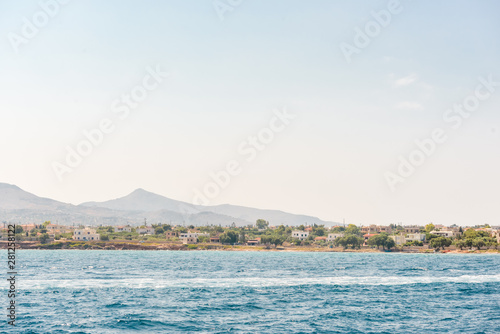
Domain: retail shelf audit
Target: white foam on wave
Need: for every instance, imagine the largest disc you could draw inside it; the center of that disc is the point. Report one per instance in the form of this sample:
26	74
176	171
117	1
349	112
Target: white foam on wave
152	283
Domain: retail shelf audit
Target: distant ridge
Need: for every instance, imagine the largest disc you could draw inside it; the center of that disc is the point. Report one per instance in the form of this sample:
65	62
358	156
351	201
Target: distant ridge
18	205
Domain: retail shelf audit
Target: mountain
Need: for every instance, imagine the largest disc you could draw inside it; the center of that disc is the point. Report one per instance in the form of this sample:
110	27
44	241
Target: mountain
142	200
17	205
158	207
275	217
14	198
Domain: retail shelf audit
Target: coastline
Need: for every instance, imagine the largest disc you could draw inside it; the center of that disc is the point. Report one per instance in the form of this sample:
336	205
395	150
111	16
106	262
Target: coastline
152	246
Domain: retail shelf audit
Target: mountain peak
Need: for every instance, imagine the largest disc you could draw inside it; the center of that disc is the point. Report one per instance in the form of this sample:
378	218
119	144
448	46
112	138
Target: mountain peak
139	191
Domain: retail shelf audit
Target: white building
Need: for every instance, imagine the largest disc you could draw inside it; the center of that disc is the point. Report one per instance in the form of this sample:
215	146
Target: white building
333	236
123	229
445	233
145	230
415	237
301	235
188	240
398	239
87	234
401	239
192	237
496	234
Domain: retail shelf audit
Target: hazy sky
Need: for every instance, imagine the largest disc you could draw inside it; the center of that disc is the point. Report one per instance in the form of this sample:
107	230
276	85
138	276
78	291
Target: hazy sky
231	65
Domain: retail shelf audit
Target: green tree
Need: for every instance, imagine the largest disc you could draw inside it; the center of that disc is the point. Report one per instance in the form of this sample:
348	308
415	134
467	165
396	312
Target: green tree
277	240
265	239
349	240
104	237
479	242
203	239
181	229
460	244
338	229
19	229
470	233
482	234
468	242
390	243
262	224
381	239
44	237
429	227
319	231
352	229
441	242
430	236
374	241
242	239
229	237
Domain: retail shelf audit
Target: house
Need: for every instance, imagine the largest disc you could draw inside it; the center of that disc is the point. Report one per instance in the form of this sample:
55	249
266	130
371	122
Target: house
376	229
320	239
253	242
171	234
368	236
215	240
193	235
58	229
123	229
29	227
384	229
190	240
86	234
145	230
369	229
412	229
188	237
415	237
333	236
52	227
496	234
445	233
401	239
301	235
398	239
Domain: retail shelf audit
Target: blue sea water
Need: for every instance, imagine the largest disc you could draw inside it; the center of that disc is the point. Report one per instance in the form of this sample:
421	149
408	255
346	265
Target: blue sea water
254	292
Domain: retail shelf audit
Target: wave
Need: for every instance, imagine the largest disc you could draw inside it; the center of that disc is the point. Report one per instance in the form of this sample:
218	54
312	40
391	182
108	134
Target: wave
253	282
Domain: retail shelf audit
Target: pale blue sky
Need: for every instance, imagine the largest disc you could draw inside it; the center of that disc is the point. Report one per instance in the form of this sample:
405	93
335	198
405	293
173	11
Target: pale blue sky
226	78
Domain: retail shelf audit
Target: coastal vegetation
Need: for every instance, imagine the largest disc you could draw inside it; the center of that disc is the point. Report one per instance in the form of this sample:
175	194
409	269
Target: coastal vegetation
262	235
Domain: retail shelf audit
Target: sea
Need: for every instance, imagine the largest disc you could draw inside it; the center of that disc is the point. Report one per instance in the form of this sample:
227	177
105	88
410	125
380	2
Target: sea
90	291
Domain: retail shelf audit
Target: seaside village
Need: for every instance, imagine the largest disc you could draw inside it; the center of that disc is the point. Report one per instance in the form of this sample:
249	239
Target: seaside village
430	237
